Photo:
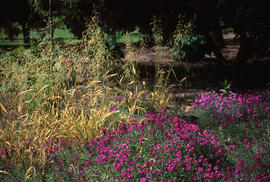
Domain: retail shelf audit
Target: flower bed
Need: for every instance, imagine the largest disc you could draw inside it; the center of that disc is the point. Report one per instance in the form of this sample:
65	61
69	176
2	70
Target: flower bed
229	142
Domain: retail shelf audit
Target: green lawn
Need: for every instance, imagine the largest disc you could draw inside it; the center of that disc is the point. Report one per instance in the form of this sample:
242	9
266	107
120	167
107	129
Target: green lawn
35	35
62	35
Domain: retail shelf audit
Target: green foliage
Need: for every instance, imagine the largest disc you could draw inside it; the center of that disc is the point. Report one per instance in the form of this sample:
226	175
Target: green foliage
114	49
185	44
227	87
192	48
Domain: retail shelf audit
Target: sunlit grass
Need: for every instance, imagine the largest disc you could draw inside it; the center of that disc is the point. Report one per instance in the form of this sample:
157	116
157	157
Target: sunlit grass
70	94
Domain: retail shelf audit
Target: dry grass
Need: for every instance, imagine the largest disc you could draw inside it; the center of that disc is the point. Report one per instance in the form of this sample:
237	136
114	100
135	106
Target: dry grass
70	94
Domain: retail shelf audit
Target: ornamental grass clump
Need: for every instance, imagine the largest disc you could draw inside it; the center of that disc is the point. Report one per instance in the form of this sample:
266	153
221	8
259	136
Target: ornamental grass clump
130	75
160	95
44	103
68	93
95	49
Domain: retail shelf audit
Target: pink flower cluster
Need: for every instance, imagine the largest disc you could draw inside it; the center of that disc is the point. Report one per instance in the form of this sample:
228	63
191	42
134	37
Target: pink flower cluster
242	121
235	108
160	148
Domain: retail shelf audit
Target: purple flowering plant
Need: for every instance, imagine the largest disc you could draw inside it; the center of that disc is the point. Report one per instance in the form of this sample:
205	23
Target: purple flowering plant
228	142
241	121
156	148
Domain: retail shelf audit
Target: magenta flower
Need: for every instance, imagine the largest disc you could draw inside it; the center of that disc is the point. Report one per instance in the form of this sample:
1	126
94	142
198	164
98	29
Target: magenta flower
143	179
117	167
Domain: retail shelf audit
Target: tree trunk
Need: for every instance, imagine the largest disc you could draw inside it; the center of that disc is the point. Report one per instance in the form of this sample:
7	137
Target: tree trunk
26	35
25	25
245	50
218	42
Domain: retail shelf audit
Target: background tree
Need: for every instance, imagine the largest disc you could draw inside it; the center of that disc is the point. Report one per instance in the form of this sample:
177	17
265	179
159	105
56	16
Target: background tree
121	14
246	17
208	24
30	14
12	12
249	20
75	13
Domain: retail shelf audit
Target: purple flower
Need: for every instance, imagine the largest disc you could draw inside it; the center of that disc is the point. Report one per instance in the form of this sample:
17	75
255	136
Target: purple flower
117	167
143	179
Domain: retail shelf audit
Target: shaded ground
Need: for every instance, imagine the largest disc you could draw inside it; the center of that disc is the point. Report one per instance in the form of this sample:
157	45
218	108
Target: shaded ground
208	73
149	55
232	47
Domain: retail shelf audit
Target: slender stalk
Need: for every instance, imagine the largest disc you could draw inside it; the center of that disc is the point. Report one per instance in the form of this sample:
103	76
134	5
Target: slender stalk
51	23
